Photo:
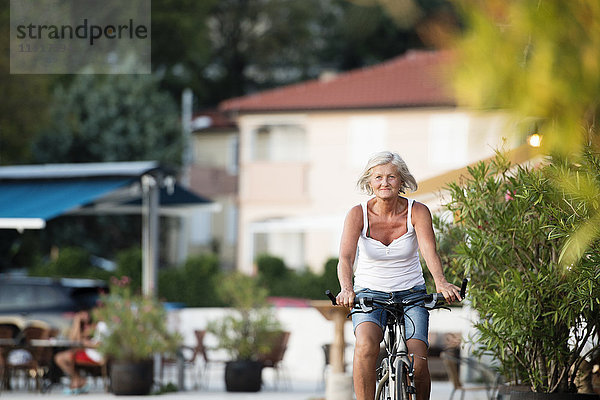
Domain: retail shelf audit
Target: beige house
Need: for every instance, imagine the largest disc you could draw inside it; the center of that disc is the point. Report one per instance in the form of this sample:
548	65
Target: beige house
302	147
214	174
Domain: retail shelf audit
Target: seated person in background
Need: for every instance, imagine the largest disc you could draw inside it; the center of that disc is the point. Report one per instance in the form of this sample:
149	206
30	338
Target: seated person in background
89	334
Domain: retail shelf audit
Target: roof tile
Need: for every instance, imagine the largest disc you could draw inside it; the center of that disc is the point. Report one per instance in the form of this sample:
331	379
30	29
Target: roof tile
413	80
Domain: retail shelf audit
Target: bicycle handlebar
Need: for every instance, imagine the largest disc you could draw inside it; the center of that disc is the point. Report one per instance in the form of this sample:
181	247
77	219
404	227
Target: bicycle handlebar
431	300
331	297
463	288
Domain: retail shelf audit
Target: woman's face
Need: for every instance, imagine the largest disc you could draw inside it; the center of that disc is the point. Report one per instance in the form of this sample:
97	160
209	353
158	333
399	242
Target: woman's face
385	181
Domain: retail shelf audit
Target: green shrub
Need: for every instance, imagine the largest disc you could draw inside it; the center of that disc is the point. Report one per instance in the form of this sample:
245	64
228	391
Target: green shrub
448	236
246	333
72	262
527	302
129	263
330	277
195	283
274	275
285	282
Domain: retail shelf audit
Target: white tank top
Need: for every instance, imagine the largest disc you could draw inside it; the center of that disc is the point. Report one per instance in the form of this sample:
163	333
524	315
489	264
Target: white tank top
388	268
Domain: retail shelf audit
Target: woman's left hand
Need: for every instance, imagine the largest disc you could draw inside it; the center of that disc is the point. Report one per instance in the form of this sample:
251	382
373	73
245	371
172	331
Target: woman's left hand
451	292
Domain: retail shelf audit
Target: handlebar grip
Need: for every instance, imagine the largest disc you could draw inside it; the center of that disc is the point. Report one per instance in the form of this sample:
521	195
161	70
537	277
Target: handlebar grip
463	288
331	297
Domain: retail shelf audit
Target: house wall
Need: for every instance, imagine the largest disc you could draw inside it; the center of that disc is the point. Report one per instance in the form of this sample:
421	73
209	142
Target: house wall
214	174
311	193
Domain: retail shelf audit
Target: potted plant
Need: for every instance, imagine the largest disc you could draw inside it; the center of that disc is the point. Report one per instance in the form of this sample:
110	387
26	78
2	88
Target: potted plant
537	315
137	330
246	334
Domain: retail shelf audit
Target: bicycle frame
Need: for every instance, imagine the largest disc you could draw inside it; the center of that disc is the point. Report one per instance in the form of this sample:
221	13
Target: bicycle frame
397	367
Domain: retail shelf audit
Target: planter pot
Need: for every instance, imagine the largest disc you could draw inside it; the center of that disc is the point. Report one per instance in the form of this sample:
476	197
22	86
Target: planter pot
522	393
132	377
552	396
243	376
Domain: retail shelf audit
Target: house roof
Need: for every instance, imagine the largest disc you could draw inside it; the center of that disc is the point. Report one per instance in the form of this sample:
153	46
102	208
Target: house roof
212	120
412	80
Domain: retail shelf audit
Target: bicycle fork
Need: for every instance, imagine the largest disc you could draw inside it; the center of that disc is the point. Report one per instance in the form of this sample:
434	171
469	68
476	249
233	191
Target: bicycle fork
401	387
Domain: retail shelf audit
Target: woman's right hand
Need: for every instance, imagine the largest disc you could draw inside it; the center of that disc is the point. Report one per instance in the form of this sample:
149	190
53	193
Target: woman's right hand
345	298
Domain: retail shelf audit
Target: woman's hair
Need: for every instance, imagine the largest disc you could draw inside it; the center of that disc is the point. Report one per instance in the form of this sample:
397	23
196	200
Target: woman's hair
382	158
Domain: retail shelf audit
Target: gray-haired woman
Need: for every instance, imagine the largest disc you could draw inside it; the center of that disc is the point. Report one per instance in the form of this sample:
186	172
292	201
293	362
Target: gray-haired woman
389	230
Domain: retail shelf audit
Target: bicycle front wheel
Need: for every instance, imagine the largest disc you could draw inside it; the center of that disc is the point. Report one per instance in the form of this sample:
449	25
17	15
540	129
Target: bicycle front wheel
403	389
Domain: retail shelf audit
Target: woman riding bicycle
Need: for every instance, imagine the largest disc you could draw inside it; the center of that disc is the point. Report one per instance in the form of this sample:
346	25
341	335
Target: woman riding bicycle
388	231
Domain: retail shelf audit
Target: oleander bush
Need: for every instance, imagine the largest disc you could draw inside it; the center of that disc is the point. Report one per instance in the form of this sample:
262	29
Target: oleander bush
536	313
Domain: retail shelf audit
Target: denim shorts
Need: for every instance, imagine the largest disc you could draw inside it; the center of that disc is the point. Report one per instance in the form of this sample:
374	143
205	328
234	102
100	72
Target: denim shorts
416	319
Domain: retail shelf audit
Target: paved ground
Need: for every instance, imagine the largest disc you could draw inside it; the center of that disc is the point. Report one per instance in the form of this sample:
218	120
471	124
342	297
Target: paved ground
306	391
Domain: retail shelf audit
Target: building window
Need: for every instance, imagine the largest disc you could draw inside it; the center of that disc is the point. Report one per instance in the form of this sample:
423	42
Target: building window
233	155
448	140
367	136
279	143
231	221
289	246
200	228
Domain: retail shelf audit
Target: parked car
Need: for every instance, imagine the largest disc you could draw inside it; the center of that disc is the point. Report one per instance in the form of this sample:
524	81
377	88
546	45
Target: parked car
48	299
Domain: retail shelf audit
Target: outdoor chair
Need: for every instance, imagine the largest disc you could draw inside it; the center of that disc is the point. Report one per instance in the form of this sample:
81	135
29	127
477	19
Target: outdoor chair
274	359
326	364
185	355
208	355
490	379
10	329
439	342
92	370
31	362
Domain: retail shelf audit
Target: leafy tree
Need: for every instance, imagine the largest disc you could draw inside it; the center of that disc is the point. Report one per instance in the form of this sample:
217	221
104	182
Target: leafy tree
111	118
23	109
534	45
181	46
545	67
262	44
102	118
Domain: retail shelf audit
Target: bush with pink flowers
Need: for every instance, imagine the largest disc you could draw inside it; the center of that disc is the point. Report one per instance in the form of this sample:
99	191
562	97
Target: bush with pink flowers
136	324
538	313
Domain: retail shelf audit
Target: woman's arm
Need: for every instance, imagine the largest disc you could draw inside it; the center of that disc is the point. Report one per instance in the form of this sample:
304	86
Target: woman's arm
352	228
75	331
421	219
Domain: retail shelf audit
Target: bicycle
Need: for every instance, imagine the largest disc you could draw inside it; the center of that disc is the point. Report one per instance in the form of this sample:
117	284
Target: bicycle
394	375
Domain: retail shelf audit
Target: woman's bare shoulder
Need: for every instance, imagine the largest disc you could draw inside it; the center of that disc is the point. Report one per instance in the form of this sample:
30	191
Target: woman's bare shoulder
354	217
355	213
420	210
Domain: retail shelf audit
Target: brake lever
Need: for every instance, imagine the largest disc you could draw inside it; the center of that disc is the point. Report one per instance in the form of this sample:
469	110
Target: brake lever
433	302
365	308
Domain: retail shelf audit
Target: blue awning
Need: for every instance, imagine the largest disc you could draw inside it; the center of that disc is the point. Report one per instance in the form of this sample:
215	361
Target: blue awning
34	202
30	195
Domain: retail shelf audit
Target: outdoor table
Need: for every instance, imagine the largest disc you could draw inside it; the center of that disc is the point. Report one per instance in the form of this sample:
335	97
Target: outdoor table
338	385
55	344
